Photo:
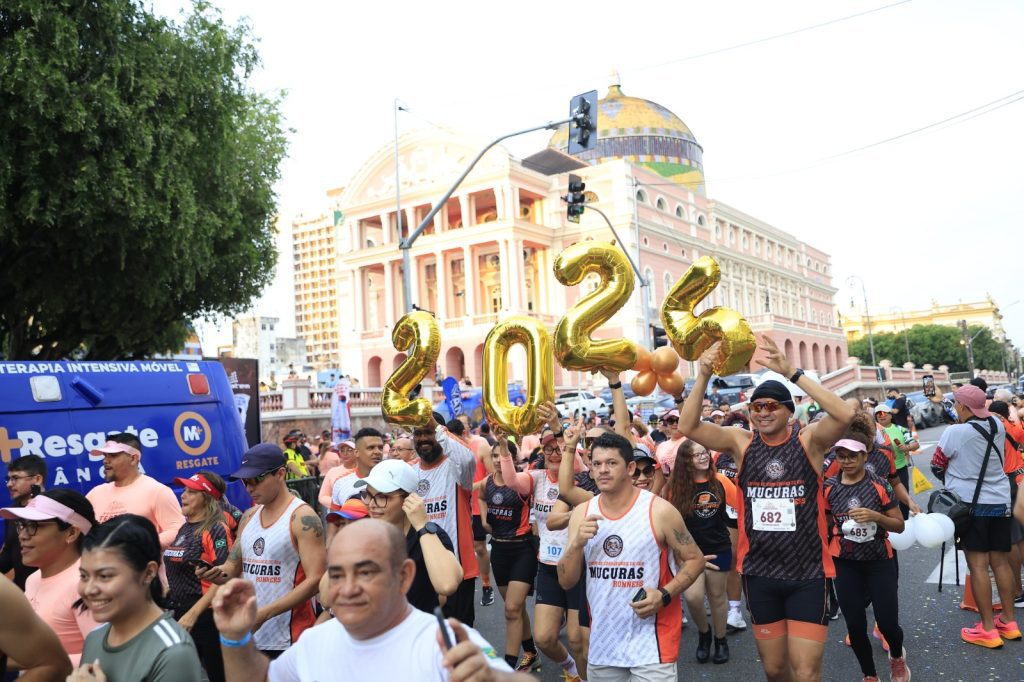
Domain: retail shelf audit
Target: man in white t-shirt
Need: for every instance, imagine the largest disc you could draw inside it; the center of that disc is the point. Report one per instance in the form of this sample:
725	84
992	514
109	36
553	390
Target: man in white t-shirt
374	627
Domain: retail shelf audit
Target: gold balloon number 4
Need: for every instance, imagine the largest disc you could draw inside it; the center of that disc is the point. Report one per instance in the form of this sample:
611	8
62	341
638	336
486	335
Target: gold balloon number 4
418	335
692	334
574	347
540	374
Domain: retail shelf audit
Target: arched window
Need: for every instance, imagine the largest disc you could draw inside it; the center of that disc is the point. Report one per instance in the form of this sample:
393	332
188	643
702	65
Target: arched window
646	241
668	282
641	196
700	220
828	358
789	352
816	357
803	354
661	205
649	276
679	211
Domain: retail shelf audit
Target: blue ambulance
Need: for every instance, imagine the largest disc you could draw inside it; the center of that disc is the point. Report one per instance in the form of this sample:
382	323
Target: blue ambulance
183	412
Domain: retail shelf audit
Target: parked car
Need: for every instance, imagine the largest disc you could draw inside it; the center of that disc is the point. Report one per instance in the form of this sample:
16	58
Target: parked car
736	388
569	403
656	404
924	412
627	389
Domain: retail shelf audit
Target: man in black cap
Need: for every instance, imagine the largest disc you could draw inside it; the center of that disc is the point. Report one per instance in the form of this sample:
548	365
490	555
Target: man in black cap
265	552
783	555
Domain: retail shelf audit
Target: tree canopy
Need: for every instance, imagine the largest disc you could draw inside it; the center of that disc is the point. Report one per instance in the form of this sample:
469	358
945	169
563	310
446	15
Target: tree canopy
935	344
136	176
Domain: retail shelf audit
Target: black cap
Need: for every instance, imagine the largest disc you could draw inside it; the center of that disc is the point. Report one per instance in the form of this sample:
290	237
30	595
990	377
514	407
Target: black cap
640	453
259	459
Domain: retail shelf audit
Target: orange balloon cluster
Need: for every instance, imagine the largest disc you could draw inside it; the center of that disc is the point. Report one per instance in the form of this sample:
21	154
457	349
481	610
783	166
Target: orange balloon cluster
657	369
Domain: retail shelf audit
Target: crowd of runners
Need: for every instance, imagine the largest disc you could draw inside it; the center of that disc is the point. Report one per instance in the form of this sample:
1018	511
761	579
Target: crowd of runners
777	517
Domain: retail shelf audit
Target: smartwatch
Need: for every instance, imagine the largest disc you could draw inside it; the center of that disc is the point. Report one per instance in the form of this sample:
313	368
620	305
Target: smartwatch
666	598
430	528
796	376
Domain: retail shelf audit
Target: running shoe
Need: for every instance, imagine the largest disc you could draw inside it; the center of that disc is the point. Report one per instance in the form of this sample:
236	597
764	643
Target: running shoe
734	622
487	598
877	634
899	671
529	662
1007	630
989	639
1019	601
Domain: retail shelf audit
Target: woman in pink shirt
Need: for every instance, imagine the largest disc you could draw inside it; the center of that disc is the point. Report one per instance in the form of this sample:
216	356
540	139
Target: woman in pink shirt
51	528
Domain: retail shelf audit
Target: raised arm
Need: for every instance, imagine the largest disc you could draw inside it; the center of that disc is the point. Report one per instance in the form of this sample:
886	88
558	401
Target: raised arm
711	436
520	481
567	488
619	410
820	436
460	454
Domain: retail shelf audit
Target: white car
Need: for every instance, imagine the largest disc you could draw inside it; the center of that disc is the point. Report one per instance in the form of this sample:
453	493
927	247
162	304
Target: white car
568	403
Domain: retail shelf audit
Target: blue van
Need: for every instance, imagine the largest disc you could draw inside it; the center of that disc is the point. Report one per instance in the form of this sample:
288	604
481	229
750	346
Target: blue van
184	413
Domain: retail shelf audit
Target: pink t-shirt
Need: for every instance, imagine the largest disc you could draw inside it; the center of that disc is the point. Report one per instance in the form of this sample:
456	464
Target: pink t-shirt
330	460
53	600
666	454
330	478
146	497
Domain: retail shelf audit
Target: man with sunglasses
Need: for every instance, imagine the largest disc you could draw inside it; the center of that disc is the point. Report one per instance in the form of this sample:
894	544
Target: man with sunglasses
783	555
389	492
26	477
129	491
280	549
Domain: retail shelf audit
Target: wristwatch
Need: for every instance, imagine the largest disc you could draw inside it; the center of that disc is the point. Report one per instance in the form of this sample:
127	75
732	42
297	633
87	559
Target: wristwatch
666	598
430	528
796	376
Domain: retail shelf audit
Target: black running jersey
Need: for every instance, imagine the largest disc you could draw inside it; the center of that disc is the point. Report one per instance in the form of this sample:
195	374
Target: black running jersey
852	540
783	529
508	512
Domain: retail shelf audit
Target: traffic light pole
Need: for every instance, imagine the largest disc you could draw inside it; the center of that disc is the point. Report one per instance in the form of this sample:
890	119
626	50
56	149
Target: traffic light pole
407	243
645	285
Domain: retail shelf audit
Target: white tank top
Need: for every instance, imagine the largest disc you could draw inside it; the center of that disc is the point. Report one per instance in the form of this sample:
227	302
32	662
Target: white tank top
448	505
545	495
623	557
270	560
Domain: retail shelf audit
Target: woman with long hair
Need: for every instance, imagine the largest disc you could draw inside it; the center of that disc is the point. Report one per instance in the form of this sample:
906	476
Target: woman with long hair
51	529
120	583
701	494
204	540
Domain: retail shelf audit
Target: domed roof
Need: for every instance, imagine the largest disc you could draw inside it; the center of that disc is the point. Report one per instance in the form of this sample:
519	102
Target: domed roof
645	133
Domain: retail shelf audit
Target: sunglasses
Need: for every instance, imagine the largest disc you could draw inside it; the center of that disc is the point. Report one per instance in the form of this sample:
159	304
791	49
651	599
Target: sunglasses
670	420
647	471
765	406
259	479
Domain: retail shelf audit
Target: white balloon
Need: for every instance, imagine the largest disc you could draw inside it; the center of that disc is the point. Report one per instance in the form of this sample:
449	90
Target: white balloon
948	528
904	540
929	532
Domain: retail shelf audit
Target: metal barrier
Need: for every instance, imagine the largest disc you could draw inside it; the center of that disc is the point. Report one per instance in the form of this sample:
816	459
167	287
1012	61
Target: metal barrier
308	489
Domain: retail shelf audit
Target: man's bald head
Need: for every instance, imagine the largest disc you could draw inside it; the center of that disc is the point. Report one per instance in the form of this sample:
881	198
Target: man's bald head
381	539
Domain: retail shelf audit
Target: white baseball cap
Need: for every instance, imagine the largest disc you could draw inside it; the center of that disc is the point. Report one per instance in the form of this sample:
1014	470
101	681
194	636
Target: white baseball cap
390	475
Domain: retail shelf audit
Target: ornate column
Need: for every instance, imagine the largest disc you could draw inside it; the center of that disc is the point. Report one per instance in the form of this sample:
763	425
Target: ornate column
387	228
358	291
464	206
471	279
441	284
389	294
515	275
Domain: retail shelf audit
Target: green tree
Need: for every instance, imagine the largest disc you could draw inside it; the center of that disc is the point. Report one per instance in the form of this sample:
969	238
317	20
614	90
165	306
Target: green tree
935	344
136	176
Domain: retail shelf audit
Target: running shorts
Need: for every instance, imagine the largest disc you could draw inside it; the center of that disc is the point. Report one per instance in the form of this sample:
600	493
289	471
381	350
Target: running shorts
513	561
479	534
797	602
550	593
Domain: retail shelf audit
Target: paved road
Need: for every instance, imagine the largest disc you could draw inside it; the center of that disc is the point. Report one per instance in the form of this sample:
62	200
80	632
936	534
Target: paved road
930	619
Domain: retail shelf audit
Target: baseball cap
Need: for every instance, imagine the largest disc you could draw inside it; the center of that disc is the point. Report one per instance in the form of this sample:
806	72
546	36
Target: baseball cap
671	413
200	483
43	508
259	459
641	452
390	475
973	398
347	444
352	510
718	413
882	408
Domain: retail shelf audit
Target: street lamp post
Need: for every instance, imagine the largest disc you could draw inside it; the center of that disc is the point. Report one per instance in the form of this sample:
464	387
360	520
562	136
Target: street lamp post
867	315
906	341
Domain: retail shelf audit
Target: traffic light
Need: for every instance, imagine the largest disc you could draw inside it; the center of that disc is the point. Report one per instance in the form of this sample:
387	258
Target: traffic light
575	198
660	338
583	129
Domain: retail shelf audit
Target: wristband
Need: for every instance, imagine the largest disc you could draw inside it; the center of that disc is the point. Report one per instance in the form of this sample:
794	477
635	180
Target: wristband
558	434
236	643
796	376
680	400
617	384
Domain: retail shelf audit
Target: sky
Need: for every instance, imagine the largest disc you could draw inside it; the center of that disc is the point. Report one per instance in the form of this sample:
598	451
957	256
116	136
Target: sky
796	125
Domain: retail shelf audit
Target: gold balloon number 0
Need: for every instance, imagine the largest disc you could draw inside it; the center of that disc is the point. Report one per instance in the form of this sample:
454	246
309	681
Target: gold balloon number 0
574	347
418	335
692	334
540	374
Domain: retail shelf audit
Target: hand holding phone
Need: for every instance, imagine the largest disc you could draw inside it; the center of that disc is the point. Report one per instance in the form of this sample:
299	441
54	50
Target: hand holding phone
199	563
443	625
640	595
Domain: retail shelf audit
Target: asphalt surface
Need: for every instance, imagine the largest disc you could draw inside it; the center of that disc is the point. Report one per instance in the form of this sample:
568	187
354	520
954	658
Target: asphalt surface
931	622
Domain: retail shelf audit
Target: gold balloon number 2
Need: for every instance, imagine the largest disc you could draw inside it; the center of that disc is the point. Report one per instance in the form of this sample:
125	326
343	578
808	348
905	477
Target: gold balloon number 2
418	335
574	347
540	374
692	334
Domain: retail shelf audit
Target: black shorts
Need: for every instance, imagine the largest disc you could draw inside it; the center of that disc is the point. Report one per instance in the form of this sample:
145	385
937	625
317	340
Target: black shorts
550	593
987	534
479	534
460	604
513	561
771	600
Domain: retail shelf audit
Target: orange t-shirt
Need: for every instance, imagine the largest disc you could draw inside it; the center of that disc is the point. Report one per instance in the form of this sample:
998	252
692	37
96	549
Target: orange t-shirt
327	487
53	600
330	460
146	497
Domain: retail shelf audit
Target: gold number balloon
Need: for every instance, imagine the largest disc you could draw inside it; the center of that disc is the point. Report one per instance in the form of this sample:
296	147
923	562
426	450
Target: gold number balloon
692	335
574	347
418	335
540	374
